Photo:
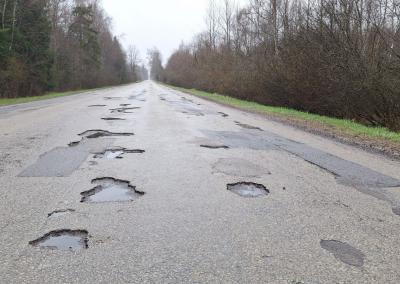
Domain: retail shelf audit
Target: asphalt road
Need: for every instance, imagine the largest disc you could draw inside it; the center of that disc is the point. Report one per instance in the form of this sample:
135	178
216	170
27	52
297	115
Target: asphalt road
329	213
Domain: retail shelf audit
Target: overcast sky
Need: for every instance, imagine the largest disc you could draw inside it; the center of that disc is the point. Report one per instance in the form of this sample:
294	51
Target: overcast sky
157	23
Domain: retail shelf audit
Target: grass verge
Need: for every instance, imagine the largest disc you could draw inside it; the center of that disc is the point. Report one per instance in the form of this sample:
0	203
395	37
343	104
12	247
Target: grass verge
373	137
14	101
52	95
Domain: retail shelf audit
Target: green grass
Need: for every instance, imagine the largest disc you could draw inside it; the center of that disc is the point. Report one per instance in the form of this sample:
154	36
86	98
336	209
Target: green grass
347	126
14	101
52	95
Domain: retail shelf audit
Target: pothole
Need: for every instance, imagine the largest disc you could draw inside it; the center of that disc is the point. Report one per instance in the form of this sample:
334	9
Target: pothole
396	210
116	153
67	240
125	105
214	146
97	105
112	118
112	98
74	143
247	126
223	114
123	109
91	134
344	252
60	213
111	190
248	189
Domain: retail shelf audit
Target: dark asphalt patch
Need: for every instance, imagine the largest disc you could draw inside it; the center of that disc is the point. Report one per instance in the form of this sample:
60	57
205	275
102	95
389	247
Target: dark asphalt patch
59	213
67	240
112	118
248	189
247	126
111	190
92	134
63	161
344	252
346	172
117	153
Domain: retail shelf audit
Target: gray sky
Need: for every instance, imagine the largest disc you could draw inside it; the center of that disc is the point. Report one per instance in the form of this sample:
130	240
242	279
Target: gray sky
157	23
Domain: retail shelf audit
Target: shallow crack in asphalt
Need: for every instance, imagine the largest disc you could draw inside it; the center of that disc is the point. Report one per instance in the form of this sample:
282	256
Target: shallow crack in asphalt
60	212
112	118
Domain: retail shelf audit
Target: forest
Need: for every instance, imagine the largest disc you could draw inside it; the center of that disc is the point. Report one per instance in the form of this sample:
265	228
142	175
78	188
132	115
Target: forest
58	45
339	58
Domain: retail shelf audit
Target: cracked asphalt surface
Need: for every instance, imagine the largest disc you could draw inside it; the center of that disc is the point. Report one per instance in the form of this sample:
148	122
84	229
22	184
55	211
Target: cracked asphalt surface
329	217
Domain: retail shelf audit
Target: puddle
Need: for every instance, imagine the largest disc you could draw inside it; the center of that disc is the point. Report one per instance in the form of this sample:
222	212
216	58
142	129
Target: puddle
67	240
60	213
214	146
91	134
112	118
116	153
248	189
97	106
344	252
123	109
223	114
111	190
247	126
239	168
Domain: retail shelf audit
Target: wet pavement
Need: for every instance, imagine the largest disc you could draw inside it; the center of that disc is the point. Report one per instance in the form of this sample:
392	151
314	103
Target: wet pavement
187	191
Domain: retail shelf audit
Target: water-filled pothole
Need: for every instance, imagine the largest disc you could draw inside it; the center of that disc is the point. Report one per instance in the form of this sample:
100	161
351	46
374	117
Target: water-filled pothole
248	189
247	126
344	252
116	153
112	118
68	240
60	213
111	190
90	134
